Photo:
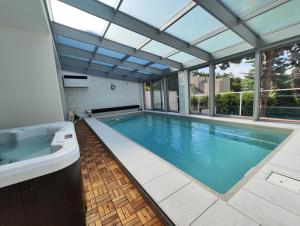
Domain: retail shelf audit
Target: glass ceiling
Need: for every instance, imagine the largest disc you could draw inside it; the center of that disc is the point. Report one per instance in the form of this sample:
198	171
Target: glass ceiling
181	22
137	60
75	57
75	18
182	57
289	14
159	66
110	53
220	41
194	25
240	7
74	43
124	36
153	12
157	48
101	63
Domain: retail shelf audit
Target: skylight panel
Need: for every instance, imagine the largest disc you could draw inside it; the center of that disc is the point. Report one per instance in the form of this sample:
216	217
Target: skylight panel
101	63
240	7
124	36
220	41
74	43
110	53
159	66
277	18
193	25
153	12
125	68
137	60
145	72
75	18
111	3
182	57
157	48
75	57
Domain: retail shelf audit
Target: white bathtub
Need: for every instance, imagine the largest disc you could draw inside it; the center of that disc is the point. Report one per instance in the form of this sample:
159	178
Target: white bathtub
65	151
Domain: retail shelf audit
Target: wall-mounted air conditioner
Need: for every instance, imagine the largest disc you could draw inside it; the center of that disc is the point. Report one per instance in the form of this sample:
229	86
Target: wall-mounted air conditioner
76	81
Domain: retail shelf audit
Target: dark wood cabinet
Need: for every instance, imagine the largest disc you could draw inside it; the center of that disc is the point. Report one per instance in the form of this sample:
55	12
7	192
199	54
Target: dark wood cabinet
54	199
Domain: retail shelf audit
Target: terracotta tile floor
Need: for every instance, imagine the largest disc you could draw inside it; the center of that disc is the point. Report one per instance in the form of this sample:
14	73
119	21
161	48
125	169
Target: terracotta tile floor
111	198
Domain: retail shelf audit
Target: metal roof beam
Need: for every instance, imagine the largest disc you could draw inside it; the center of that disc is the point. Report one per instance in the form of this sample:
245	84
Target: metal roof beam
126	21
74	69
217	10
63	49
98	67
105	43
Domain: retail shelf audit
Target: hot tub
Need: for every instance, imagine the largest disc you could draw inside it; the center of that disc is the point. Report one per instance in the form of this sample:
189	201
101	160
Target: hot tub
40	180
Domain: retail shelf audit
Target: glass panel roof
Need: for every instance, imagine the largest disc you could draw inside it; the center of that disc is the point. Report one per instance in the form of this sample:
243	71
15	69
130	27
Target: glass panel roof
74	43
276	18
154	12
75	18
145	72
137	60
159	66
112	3
239	7
220	41
157	48
194	25
124	36
125	68
182	57
101	63
110	53
75	57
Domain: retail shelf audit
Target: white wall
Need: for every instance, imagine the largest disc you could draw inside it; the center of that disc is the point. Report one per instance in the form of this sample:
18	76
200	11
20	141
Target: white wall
99	94
29	92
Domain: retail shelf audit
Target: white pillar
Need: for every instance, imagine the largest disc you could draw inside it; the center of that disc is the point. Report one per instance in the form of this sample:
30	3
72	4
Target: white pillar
212	78
184	104
165	93
142	95
256	95
151	94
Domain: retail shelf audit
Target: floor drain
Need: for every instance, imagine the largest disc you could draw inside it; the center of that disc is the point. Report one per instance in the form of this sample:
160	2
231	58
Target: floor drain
284	181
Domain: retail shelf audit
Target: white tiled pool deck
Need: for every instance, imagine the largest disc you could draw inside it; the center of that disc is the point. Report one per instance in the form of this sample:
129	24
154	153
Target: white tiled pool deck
254	201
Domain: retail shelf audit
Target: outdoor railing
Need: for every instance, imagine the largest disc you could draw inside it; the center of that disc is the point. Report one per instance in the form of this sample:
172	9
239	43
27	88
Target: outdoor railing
278	103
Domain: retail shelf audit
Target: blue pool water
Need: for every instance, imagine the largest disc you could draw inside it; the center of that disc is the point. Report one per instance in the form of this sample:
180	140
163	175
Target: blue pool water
215	153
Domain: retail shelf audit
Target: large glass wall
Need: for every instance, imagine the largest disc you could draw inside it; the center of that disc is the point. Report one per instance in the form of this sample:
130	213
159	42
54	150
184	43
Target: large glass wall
147	95
280	83
173	93
199	90
157	95
234	86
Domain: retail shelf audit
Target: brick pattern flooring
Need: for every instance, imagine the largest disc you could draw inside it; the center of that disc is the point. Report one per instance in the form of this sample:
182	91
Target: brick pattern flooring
111	198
